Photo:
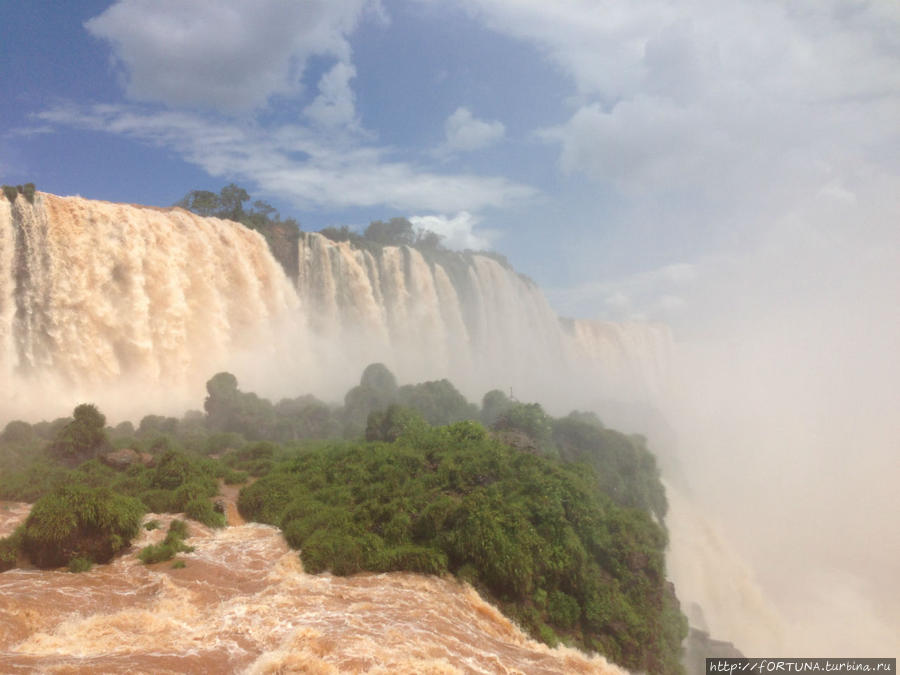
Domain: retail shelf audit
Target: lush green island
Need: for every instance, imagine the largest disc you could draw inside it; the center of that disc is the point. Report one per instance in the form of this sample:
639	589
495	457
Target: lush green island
557	520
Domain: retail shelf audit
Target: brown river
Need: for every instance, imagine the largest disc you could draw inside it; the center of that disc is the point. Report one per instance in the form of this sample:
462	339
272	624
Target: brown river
243	604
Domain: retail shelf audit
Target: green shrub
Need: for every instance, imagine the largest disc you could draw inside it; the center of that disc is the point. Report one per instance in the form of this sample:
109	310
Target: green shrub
10	547
28	191
159	501
233	477
202	511
80	565
17	431
31	482
413	558
547	636
178	528
151	525
220	442
190	492
173	470
563	610
171	546
10	193
76	521
81	439
529	530
179	564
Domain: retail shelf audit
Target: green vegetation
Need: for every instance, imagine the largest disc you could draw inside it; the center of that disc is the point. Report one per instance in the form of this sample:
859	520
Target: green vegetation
84	502
280	235
171	546
626	470
9	550
80	522
558	520
529	530
80	565
82	438
10	192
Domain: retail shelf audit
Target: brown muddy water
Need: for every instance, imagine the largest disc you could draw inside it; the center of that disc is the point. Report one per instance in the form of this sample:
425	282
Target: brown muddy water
243	604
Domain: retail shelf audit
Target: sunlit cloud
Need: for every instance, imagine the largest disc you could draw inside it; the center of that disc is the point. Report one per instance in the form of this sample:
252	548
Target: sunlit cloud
458	232
295	162
464	133
227	55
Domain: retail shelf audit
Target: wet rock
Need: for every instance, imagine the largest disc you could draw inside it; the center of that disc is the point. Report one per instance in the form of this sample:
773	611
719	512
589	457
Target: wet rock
699	646
124	458
120	459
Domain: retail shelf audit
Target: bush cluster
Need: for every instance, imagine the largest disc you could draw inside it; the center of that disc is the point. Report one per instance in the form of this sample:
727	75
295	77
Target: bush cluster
77	521
531	531
171	546
558	520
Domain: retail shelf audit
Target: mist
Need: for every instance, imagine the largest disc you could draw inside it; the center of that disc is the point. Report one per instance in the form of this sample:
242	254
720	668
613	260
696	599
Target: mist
785	407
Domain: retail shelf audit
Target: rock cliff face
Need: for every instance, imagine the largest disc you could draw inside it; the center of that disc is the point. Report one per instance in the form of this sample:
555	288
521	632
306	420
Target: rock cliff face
699	646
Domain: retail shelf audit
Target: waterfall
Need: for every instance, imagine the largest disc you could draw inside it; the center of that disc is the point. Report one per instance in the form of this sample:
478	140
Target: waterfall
472	319
134	308
146	302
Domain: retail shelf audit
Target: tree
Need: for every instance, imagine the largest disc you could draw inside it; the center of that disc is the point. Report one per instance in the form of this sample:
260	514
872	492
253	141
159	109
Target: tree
222	402
280	235
389	424
201	202
427	239
229	409
304	417
231	202
377	376
395	232
377	389
82	438
155	425
342	233
531	420
17	431
439	402
494	404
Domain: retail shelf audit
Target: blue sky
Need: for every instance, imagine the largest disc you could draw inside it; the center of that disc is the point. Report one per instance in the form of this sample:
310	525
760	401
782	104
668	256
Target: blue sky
639	160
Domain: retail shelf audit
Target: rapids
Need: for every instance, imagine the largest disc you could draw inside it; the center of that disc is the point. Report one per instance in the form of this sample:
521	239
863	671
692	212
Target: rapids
242	603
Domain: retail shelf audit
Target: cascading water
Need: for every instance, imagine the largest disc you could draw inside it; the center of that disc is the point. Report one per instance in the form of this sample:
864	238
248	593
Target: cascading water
100	300
98	296
470	318
242	603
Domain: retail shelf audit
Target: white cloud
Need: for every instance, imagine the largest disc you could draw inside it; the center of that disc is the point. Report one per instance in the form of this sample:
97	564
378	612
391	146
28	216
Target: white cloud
458	231
296	163
224	54
464	133
335	106
730	100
